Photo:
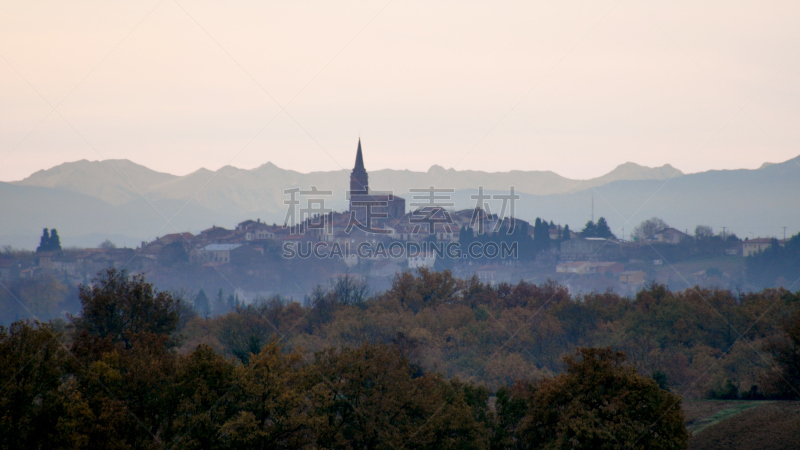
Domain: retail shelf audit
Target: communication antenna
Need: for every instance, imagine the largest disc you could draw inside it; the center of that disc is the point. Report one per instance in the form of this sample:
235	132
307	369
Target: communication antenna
723	233
784	233
592	206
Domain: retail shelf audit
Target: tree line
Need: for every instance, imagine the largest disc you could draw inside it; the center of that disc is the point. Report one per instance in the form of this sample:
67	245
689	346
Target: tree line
114	377
695	342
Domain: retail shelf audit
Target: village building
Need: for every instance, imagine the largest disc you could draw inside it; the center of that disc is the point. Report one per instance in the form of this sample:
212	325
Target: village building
590	249
632	277
752	247
671	236
218	253
427	260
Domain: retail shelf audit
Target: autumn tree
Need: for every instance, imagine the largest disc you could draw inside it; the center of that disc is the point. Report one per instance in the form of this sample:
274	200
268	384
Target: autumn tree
786	351
272	406
107	245
600	402
349	290
371	397
117	307
702	232
204	398
649	228
428	288
32	366
124	365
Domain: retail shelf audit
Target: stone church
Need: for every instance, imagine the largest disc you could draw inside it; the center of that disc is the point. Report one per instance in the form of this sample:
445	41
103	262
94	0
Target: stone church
386	205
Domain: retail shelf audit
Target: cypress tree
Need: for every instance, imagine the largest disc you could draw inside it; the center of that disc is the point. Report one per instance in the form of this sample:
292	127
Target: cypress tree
44	241
201	304
603	230
54	244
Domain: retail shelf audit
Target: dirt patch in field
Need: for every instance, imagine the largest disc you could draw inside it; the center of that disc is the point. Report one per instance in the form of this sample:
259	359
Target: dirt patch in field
773	425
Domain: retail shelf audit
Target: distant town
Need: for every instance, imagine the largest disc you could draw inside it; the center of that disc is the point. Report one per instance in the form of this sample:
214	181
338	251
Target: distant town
380	236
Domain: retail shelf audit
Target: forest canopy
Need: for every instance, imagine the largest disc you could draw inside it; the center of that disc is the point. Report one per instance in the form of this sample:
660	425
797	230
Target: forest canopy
434	362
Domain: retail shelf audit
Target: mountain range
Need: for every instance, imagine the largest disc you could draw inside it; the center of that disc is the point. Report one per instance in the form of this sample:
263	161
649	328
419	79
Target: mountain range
89	201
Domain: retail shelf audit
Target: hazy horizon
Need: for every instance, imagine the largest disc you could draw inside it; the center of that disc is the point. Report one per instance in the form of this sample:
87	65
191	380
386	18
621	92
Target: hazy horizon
306	172
573	89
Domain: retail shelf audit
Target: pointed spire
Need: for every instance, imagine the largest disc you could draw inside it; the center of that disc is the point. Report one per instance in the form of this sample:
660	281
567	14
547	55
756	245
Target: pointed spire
359	180
359	157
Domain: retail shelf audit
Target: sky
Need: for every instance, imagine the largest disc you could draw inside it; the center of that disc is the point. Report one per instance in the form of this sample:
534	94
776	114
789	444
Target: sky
572	87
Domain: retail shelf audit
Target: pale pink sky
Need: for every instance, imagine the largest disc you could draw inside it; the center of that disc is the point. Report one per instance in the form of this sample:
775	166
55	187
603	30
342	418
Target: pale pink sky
562	86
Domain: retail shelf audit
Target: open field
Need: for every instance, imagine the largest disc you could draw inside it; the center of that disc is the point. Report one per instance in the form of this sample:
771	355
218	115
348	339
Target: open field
743	424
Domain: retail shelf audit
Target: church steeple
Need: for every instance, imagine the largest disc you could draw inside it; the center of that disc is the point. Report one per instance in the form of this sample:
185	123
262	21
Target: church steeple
359	158
359	180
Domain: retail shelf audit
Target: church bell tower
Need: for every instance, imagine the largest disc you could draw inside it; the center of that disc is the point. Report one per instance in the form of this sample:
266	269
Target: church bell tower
359	180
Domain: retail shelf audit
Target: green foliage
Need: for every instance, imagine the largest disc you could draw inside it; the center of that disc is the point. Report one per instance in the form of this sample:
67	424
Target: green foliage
541	235
598	230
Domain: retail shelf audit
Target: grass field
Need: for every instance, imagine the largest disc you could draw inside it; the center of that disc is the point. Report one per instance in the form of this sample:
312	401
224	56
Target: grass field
722	424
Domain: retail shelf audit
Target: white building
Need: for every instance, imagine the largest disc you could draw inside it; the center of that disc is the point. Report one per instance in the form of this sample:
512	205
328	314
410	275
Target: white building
422	260
219	253
754	246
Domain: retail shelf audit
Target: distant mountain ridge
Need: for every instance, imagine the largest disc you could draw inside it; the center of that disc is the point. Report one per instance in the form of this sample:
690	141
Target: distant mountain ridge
120	181
128	202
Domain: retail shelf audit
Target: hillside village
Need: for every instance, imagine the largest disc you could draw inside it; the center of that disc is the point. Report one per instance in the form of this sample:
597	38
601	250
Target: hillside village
315	245
251	254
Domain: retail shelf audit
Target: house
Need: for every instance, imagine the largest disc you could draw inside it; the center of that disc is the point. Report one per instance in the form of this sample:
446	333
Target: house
176	237
632	277
589	249
754	246
422	260
493	274
218	253
248	224
151	250
671	236
214	234
259	232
